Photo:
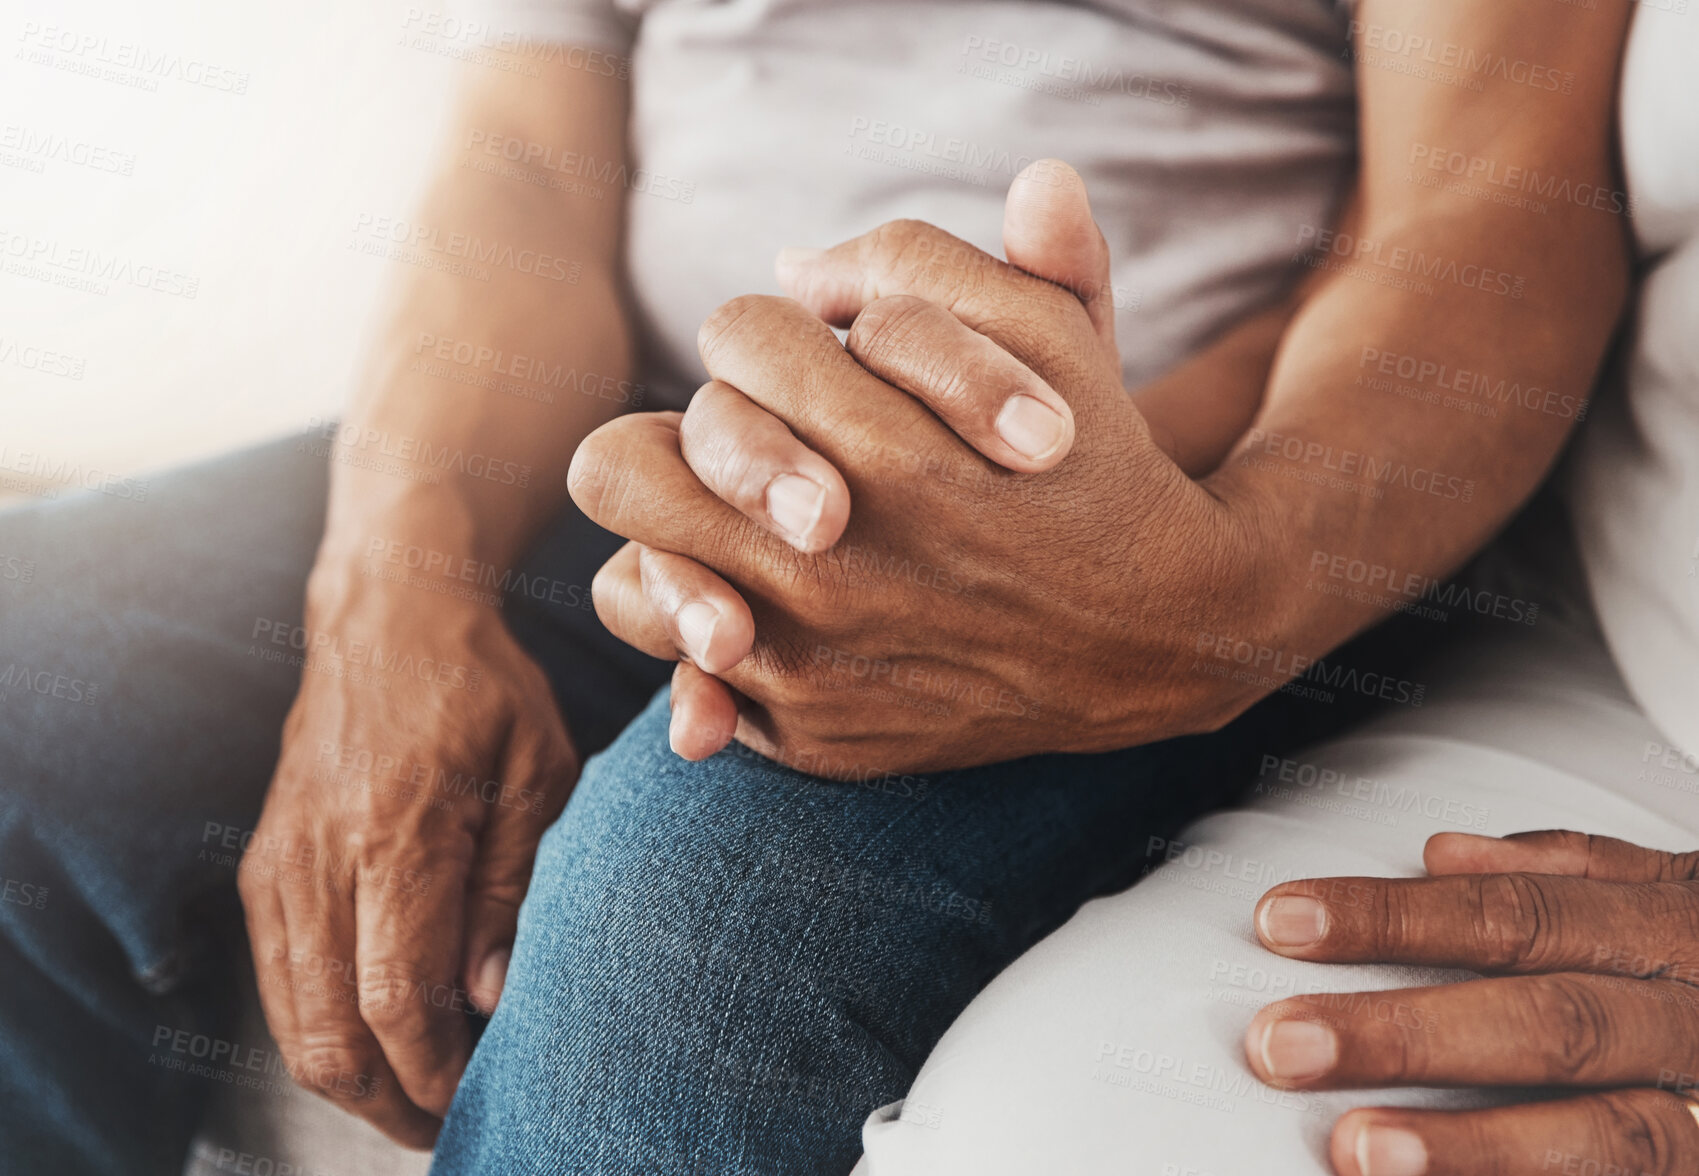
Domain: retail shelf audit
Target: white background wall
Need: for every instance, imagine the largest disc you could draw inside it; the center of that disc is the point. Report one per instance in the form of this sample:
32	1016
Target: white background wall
252	195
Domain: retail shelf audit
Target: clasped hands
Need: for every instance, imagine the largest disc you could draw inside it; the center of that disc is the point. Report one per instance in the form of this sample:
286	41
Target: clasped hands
951	540
1027	569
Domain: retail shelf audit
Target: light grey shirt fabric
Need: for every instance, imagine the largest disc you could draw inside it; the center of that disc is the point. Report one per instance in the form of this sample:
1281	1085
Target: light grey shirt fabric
1209	132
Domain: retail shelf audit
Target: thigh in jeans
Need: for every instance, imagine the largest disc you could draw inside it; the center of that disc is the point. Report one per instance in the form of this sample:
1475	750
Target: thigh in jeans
141	701
137	731
723	967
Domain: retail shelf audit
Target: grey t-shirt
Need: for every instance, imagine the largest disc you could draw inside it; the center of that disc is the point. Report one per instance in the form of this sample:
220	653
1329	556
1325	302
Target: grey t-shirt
1208	131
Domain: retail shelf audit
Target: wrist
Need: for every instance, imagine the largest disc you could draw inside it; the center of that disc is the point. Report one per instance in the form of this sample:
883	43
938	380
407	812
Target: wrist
1173	661
370	597
1283	522
393	559
1253	627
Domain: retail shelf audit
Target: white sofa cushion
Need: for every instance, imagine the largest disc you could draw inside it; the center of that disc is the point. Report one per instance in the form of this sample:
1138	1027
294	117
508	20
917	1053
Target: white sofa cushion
1114	1046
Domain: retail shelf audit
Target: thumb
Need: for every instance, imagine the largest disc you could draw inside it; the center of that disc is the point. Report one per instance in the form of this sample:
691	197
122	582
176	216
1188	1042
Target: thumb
537	773
1048	231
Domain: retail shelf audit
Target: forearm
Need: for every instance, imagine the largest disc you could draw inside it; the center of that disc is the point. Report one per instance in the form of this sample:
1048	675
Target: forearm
485	376
1198	411
1355	457
1445	345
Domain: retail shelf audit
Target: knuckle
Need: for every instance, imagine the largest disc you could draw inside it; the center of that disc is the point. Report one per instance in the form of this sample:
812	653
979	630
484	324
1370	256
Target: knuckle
1571	1024
1592	849
605	588
900	235
814	607
501	891
593	467
560	758
1639	1128
527	678
1397	920
250	884
456	745
385	998
333	1066
631	618
908	247
611	611
1411	1053
701	425
262	871
1021	329
605	469
885	328
949	385
1672	909
892	334
1212	713
664	584
792	670
729	323
1515	920
730	464
1684	867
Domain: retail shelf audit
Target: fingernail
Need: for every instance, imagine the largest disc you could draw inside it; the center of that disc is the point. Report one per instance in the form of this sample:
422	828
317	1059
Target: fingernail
1296	1050
1031	427
794	504
675	729
1293	922
1390	1151
696	622
794	256
492	975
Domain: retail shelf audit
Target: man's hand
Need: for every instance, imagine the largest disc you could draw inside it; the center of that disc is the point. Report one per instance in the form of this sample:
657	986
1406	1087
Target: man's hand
396	843
1591	947
1058	608
382	885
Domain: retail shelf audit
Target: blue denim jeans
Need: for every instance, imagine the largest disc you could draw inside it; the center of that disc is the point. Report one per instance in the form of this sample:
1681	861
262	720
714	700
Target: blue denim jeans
721	967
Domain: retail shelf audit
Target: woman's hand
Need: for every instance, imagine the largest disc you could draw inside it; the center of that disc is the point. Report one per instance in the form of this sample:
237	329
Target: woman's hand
1590	947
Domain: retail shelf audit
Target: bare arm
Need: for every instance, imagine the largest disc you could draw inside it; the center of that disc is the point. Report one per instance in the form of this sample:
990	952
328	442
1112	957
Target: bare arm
453	454
1445	343
556	302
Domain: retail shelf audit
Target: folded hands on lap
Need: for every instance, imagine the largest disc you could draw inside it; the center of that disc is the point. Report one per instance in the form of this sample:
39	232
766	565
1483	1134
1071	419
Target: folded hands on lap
953	539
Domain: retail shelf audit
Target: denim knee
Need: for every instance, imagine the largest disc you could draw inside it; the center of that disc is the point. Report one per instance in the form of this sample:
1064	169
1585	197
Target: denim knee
724	966
711	946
